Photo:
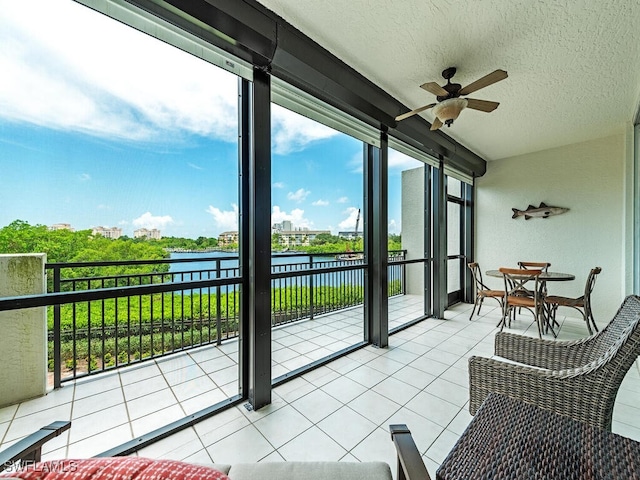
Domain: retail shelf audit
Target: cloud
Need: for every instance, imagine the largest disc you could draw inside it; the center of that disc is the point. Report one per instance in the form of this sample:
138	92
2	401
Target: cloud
278	185
393	227
148	220
349	223
114	89
194	166
128	87
356	164
299	195
84	177
225	220
343	200
400	161
296	217
292	132
320	203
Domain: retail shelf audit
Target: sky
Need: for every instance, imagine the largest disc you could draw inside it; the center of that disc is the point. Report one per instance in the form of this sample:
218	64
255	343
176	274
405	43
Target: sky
101	125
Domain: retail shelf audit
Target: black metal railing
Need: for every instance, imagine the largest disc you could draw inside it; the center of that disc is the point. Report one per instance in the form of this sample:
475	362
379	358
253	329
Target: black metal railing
134	311
195	306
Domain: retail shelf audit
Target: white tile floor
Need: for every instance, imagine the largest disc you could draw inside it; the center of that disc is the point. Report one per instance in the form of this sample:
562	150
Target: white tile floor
340	411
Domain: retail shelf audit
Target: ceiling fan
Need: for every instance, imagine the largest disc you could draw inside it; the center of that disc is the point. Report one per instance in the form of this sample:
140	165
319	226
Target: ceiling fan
450	104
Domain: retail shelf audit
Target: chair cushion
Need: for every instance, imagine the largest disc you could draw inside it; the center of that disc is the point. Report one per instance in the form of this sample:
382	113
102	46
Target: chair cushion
115	468
521	301
310	471
565	301
492	293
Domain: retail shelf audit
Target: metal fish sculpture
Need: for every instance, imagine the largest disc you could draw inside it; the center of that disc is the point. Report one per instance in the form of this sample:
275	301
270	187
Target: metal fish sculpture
543	211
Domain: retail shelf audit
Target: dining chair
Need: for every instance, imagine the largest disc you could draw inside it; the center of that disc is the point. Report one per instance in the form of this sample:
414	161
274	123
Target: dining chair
582	304
482	291
544	266
515	283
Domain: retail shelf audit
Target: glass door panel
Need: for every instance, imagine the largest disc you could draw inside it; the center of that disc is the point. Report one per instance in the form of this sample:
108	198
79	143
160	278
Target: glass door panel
317	241
407	231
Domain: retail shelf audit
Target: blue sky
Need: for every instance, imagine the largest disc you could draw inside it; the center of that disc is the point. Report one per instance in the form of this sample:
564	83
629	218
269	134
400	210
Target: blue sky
131	132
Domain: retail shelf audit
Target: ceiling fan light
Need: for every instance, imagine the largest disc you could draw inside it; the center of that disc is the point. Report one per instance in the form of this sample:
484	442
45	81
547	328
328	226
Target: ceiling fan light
448	110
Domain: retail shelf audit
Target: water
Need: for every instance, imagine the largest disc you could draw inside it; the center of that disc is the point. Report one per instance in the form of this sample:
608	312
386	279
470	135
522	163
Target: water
227	266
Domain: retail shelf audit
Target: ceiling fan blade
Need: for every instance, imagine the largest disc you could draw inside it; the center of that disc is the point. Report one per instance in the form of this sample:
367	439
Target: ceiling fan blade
436	124
482	105
433	87
485	81
413	112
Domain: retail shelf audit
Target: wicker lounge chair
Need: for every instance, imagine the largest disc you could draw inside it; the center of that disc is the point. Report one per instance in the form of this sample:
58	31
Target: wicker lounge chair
579	379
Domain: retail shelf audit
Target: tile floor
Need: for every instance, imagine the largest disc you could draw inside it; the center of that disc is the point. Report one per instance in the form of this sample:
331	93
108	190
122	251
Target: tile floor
342	409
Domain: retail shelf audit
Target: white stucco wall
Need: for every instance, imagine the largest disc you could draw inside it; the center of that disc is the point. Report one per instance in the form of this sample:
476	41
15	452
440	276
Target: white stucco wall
413	188
23	343
588	178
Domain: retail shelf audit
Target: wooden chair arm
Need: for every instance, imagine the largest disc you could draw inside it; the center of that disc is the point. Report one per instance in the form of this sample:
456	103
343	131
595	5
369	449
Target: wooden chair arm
29	449
410	464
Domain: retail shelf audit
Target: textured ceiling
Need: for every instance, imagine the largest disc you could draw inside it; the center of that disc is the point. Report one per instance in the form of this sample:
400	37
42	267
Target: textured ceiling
574	65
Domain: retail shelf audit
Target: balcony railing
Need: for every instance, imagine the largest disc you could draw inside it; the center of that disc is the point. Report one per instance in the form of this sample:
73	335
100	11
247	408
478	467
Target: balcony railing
144	309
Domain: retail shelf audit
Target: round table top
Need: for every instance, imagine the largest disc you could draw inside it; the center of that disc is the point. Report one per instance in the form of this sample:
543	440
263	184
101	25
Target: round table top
544	276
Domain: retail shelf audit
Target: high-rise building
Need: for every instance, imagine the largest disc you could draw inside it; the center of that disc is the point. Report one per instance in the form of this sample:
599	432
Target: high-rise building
151	234
61	226
113	232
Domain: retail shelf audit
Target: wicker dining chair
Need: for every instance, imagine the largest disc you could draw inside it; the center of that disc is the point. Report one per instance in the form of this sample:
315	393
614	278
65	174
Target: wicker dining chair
517	295
579	378
581	304
482	291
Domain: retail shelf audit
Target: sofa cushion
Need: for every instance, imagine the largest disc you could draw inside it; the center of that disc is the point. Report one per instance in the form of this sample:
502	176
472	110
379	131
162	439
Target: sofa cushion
310	471
116	468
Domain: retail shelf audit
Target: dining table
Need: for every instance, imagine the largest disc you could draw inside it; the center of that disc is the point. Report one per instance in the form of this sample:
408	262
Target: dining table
544	276
543	279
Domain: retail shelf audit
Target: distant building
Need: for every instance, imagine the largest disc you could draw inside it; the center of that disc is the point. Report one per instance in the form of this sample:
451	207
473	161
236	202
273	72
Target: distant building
351	235
151	234
302	237
227	238
113	232
62	226
284	226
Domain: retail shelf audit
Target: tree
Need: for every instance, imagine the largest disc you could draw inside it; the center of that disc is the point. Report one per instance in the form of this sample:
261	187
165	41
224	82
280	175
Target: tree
324	239
276	241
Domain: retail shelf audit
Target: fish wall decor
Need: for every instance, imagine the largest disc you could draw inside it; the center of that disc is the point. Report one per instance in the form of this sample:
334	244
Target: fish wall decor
543	211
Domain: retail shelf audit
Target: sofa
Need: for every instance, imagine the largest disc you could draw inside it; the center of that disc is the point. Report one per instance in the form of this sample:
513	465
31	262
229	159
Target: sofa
22	460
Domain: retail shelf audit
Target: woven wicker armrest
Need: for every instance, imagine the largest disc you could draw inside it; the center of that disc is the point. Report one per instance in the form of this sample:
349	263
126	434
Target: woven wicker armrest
549	354
566	392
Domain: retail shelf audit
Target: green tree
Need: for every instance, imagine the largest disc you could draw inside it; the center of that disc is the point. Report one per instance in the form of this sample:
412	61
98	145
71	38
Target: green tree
276	241
324	239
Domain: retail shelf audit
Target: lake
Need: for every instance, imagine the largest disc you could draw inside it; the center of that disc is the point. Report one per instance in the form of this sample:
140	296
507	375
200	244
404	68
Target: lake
226	265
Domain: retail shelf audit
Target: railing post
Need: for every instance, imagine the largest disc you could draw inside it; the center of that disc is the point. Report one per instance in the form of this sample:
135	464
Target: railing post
404	273
218	307
311	288
57	360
